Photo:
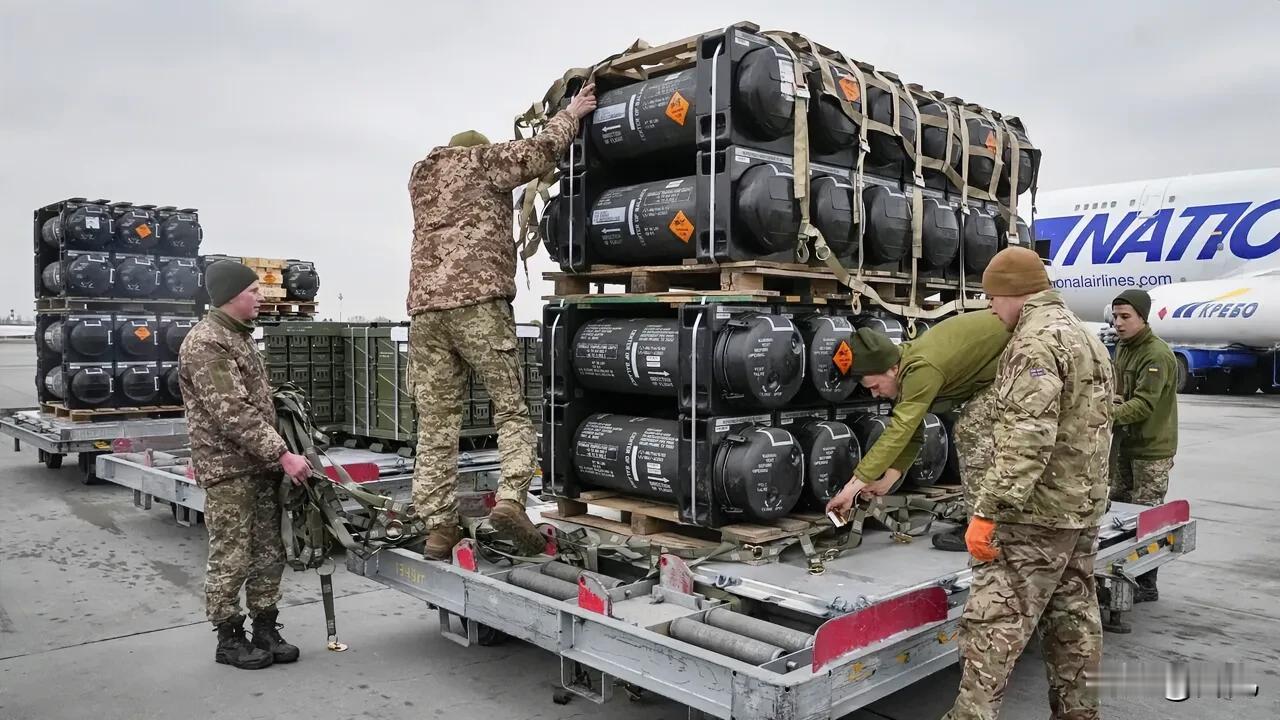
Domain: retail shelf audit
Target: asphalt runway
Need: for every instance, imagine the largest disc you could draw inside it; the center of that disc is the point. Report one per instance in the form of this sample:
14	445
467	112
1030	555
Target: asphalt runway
102	613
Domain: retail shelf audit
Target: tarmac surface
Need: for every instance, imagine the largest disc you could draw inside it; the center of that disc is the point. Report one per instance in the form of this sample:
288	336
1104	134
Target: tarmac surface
102	610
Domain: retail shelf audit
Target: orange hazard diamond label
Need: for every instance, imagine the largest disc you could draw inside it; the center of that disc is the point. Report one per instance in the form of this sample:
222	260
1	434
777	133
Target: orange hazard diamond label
269	278
843	357
990	142
142	333
144	231
850	88
681	227
678	108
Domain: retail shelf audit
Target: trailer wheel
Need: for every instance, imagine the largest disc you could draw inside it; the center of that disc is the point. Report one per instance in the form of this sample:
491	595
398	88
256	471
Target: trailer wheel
1185	382
53	461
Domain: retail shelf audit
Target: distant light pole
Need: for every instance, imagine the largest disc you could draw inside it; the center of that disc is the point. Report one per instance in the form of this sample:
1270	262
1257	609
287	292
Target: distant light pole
339	307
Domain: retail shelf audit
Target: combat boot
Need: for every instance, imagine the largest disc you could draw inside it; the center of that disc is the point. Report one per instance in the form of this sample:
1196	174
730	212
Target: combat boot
511	523
440	542
234	648
266	636
952	540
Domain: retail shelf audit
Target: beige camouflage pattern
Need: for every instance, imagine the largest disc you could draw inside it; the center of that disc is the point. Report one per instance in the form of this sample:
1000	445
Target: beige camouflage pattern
242	515
975	442
1053	435
1042	582
231	417
1141	482
443	344
463	239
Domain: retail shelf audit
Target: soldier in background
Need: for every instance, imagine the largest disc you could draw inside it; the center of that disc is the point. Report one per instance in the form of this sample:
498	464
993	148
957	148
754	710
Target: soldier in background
238	459
1034	528
1146	418
461	284
952	364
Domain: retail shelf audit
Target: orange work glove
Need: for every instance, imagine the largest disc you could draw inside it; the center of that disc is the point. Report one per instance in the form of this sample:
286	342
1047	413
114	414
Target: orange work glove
978	539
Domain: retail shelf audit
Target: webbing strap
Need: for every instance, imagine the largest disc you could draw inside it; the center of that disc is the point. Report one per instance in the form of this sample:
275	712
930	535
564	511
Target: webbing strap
800	150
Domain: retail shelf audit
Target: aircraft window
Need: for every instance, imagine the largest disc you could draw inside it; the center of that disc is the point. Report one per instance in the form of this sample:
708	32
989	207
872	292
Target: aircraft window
1131	202
1172	198
1095	206
1113	203
1077	206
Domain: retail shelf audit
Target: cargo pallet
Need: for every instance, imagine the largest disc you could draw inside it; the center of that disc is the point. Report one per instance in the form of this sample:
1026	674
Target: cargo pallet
745	281
114	413
56	437
84	304
644	524
287	309
885	618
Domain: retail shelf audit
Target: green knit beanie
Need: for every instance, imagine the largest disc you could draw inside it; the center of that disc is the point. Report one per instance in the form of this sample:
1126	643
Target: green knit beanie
226	279
873	352
1138	299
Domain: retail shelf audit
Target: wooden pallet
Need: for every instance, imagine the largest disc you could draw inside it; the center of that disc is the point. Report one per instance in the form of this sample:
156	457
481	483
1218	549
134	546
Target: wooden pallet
261	264
649	518
71	304
753	278
270	291
110	414
286	309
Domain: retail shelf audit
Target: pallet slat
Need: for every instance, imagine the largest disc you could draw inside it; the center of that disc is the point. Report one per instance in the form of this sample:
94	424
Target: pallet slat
95	414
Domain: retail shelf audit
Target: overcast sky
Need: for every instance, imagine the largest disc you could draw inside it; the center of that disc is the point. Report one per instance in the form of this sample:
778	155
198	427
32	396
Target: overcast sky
292	125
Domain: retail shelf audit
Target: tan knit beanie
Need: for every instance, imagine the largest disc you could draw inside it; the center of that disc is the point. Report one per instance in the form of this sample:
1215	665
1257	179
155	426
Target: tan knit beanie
1015	271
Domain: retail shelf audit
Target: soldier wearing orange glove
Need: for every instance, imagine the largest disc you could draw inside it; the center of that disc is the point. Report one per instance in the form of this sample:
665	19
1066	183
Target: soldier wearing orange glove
1035	519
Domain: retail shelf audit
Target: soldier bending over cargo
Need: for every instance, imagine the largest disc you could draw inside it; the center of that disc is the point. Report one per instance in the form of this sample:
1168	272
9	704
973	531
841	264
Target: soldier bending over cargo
1146	418
461	284
237	457
1034	529
952	364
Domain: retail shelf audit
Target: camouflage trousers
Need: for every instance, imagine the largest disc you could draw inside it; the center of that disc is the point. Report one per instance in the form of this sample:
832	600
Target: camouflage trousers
442	345
975	441
242	515
1041	582
1141	482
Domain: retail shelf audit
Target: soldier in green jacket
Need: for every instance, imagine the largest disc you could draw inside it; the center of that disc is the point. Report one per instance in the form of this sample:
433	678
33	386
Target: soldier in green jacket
1146	416
952	364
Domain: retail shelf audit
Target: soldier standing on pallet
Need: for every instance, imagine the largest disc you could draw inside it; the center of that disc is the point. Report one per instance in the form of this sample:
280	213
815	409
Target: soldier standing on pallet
1034	529
237	457
1146	418
461	284
952	364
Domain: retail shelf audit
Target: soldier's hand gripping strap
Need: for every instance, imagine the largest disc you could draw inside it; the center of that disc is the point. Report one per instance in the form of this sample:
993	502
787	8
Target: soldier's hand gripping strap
313	516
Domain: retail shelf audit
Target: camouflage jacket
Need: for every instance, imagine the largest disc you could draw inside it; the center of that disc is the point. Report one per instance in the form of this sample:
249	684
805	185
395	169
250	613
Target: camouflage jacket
1053	436
463	242
231	419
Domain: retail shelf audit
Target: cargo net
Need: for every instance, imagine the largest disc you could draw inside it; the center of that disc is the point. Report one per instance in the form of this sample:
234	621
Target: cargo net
816	105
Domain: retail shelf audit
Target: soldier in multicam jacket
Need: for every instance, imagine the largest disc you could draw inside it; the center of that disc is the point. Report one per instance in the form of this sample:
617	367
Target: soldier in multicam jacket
237	457
461	284
1035	520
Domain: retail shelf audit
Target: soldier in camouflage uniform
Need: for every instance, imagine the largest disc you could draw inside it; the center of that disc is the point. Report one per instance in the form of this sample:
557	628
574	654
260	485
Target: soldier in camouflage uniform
1146	418
461	284
1034	528
952	364
238	458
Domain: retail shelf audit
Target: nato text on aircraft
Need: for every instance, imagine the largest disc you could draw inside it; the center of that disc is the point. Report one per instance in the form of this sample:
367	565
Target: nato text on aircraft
1155	238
